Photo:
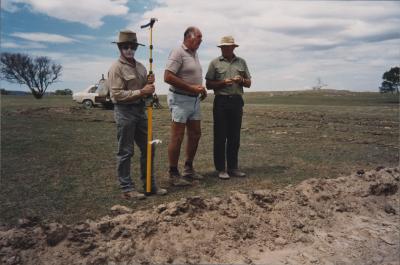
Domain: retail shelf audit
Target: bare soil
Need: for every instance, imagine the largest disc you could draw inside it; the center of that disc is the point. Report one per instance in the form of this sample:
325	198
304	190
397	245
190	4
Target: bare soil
348	220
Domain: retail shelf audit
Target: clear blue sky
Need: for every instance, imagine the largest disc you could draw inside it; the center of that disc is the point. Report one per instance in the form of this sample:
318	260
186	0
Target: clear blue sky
287	44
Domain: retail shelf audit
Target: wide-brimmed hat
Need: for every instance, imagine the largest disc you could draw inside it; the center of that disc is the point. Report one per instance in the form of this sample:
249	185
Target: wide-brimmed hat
227	41
127	36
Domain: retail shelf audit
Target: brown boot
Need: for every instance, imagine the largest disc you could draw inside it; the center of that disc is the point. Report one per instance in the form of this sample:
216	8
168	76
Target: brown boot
176	180
157	191
160	191
132	195
189	172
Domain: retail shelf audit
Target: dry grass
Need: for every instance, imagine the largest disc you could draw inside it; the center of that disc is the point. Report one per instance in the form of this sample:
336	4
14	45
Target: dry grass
58	160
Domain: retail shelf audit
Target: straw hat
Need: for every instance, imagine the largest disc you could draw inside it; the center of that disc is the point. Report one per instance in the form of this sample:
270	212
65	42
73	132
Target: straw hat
127	36
228	41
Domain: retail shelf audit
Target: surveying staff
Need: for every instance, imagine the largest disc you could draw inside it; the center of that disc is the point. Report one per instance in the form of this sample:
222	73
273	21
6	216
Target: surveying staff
227	75
184	74
129	85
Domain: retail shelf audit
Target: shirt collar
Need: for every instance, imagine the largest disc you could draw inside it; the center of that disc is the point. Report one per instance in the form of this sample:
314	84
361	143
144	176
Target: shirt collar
222	58
188	50
123	60
184	47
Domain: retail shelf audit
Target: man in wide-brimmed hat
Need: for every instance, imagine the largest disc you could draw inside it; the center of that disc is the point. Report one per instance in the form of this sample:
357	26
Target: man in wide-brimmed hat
129	84
227	75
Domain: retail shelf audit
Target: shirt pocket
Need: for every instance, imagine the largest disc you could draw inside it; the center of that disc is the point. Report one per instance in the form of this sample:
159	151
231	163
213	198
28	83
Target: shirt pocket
131	81
220	73
239	70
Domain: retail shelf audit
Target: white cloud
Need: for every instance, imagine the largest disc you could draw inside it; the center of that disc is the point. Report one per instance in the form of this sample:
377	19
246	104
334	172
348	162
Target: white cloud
9	5
43	37
88	12
22	46
84	37
287	43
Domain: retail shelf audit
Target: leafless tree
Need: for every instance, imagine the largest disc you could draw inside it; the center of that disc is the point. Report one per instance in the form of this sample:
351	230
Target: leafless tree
37	73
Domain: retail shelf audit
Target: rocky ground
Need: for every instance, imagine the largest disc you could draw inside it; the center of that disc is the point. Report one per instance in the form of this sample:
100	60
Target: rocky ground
347	220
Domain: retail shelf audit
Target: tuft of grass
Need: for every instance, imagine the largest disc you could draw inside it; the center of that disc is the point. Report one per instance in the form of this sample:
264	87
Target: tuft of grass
58	160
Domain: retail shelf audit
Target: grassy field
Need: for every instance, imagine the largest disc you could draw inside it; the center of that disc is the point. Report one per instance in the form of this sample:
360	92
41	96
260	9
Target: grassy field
58	160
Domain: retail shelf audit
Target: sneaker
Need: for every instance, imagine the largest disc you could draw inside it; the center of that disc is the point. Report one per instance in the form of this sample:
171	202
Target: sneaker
236	173
129	195
161	192
176	180
189	172
223	175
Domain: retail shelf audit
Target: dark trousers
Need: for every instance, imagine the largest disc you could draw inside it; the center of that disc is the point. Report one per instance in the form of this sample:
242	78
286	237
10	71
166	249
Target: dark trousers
227	112
131	128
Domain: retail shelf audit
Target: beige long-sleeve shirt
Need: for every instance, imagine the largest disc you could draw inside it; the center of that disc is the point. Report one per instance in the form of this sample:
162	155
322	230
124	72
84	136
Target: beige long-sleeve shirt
125	80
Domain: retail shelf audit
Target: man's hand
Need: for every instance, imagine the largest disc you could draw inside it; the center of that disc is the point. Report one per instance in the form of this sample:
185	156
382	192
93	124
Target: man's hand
151	79
198	89
203	95
147	90
227	82
238	79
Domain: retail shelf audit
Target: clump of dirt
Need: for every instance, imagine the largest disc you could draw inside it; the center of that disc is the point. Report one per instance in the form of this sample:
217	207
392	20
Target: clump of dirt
347	220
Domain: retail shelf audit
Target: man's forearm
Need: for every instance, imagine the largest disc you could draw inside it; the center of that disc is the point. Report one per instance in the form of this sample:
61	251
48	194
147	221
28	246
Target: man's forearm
121	95
175	81
246	82
215	84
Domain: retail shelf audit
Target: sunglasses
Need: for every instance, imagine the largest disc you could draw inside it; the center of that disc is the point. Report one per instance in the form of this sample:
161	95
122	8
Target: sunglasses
129	46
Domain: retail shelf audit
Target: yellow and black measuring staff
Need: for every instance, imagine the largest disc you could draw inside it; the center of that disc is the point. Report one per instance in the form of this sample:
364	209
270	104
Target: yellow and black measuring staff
149	105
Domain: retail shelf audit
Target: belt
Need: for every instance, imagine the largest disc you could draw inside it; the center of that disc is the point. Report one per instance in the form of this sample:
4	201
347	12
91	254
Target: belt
181	93
139	103
229	96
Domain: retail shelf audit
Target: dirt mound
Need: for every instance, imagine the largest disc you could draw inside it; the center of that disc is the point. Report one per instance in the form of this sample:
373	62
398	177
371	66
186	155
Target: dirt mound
348	220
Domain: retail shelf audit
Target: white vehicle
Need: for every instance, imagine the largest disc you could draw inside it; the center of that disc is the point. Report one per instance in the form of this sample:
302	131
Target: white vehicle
94	95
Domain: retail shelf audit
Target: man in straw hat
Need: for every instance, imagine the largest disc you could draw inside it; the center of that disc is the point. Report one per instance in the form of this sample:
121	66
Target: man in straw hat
227	75
184	75
129	85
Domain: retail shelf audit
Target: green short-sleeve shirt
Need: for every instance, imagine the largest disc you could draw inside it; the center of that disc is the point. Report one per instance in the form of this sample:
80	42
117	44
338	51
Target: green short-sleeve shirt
220	69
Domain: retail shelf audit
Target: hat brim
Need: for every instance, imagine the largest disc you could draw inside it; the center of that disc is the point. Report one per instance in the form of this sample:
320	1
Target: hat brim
227	44
116	42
